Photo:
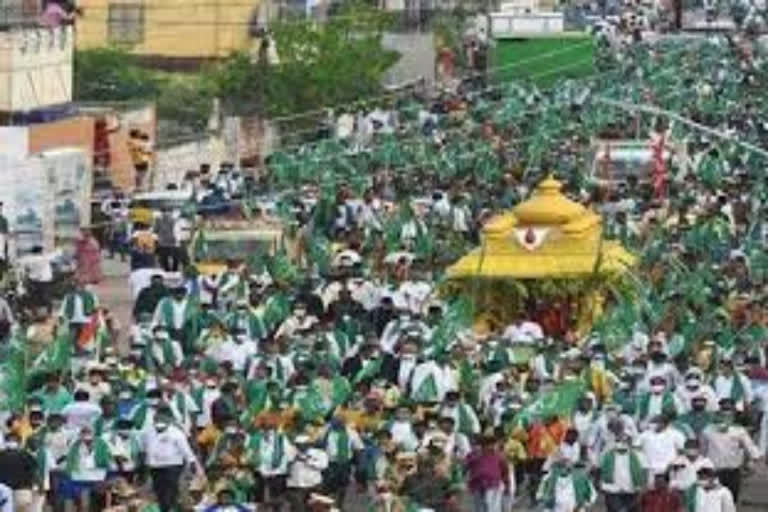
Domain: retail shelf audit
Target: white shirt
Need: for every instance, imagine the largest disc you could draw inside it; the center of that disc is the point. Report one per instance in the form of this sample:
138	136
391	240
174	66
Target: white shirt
78	313
121	447
266	450
209	396
58	443
235	353
685	396
355	443
622	475
96	391
724	385
403	435
424	371
718	499
728	449
168	448
565	497
525	332
37	267
87	471
6	498
178	308
405	371
686	476
661	448
306	471
81	414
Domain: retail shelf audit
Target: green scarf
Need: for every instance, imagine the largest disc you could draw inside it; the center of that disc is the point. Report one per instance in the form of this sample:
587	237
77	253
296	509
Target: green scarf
100	453
278	451
169	355
667	404
368	371
427	391
343	453
166	308
139	416
181	403
582	488
88	300
636	470
737	388
465	420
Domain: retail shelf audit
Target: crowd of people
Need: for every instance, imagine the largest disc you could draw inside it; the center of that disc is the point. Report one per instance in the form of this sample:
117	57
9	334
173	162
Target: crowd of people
341	378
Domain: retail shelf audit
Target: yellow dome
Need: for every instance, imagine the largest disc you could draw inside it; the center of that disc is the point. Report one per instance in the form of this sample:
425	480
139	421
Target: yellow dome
548	206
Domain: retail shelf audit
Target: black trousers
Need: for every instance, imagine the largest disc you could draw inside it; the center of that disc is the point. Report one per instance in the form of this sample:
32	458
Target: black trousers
534	470
165	484
273	486
168	257
731	478
621	502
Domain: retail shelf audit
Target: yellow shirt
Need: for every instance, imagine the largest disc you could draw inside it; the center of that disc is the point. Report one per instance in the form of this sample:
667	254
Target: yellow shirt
515	451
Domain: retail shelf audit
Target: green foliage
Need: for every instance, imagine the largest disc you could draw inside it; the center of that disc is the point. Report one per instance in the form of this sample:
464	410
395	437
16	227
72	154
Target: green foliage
115	75
329	64
112	74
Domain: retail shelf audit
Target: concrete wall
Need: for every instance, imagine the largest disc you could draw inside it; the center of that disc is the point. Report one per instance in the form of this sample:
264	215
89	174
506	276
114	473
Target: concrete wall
35	68
417	57
73	132
172	163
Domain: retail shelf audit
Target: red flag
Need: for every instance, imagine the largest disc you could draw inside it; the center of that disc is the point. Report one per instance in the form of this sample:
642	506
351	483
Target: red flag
88	332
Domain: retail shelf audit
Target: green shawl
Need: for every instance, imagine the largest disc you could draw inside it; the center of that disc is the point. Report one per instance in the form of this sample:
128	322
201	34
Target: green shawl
636	470
465	423
427	390
369	371
166	312
88	300
278	451
667	404
343	452
582	488
100	452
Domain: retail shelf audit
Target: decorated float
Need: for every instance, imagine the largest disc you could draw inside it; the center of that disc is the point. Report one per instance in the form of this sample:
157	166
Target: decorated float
546	259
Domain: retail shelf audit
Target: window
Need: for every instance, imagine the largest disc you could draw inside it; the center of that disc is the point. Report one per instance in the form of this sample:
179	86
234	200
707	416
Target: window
126	23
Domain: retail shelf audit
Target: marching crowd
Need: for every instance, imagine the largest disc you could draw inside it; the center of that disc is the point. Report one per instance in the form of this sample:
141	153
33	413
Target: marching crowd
356	384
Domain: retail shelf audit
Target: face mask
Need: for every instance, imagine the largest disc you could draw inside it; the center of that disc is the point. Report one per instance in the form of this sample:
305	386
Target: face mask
621	447
153	401
692	453
705	482
161	427
11	445
692	385
300	313
657	388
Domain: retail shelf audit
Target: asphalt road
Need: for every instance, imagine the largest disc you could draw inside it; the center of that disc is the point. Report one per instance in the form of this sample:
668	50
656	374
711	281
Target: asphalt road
115	293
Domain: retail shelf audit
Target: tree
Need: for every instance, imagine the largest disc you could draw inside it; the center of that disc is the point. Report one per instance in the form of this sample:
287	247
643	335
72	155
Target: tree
111	74
332	63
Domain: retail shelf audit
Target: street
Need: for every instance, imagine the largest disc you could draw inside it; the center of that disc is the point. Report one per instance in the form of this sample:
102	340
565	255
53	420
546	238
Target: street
115	294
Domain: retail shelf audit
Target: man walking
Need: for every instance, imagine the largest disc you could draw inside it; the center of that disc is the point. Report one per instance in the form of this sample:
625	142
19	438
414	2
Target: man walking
18	471
726	445
489	478
167	245
168	452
